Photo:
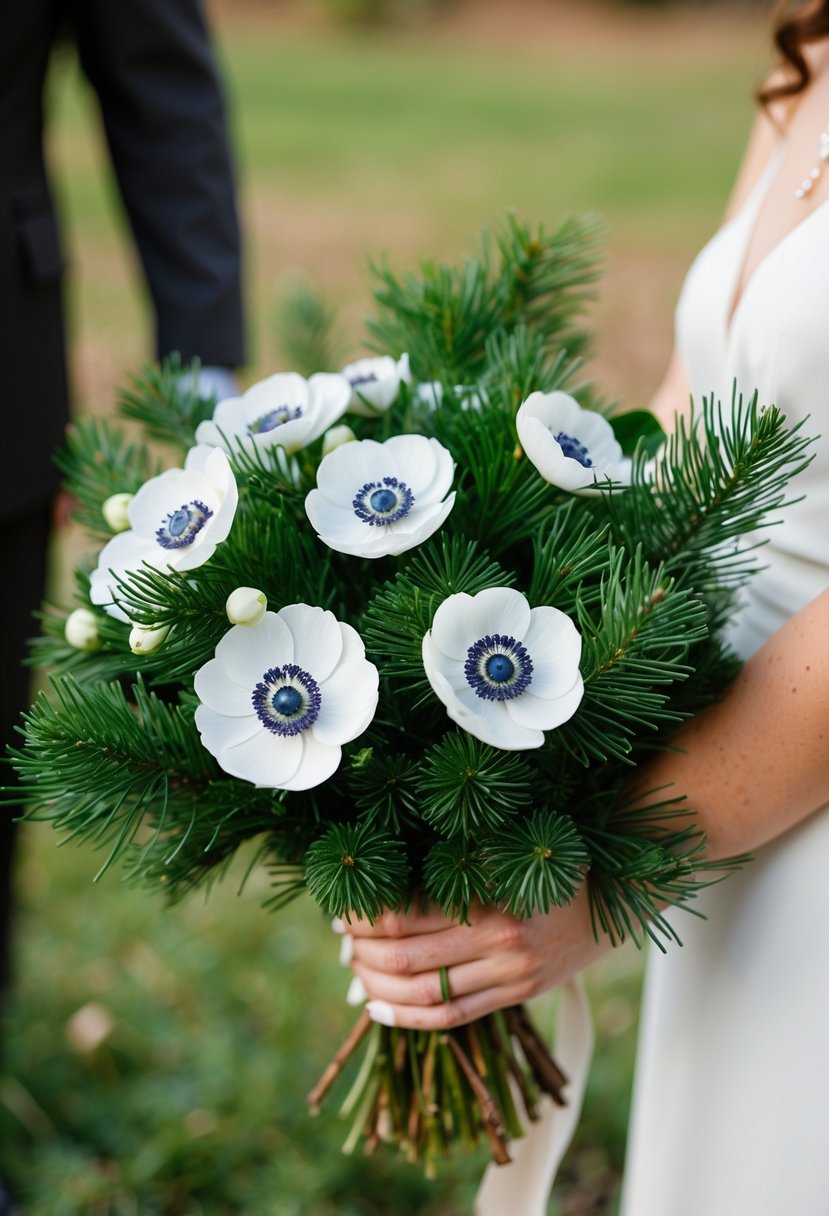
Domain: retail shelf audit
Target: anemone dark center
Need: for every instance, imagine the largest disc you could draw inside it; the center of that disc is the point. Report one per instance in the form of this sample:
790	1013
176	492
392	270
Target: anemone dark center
383	502
274	418
498	668
287	700
181	527
573	448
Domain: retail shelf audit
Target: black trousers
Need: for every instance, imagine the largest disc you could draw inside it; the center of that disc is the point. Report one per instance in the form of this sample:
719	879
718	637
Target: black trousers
23	542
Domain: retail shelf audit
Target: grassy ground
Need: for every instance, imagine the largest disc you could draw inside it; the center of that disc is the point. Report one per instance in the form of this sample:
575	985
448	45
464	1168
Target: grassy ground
155	1062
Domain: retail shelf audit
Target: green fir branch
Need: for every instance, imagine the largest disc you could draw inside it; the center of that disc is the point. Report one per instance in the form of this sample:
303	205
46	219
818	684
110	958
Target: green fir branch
571	554
536	865
454	876
445	316
166	401
356	869
384	787
631	656
548	279
305	332
466	786
401	612
96	764
98	460
648	856
717	478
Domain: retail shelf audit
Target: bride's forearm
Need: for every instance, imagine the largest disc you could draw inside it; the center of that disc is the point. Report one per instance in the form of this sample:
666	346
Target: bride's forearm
757	763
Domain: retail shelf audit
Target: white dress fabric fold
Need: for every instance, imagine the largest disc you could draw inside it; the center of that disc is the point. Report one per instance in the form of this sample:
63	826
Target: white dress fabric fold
523	1187
730	1113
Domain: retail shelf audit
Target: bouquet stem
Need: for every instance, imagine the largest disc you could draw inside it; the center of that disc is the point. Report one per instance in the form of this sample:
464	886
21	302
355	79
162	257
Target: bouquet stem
425	1090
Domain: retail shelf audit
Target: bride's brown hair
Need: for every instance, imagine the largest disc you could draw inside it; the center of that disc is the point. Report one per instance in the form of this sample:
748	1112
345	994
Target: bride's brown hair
807	23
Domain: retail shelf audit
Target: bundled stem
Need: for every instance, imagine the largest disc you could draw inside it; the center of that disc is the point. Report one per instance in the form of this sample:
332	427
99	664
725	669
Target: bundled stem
423	1090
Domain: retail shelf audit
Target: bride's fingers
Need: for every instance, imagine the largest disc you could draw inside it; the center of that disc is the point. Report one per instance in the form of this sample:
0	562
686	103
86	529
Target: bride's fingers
424	952
456	1012
425	988
398	924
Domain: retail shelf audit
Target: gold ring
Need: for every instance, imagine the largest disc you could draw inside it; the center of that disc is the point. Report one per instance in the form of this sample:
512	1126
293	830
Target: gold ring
445	994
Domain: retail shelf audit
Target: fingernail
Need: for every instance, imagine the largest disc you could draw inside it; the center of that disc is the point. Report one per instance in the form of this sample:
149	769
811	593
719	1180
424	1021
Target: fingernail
346	950
338	924
356	994
380	1011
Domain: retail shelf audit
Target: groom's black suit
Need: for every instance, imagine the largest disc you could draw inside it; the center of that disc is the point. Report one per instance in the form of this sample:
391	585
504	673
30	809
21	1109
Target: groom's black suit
152	68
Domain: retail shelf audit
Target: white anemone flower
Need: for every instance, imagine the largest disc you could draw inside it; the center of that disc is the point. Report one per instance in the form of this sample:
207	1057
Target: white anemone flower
505	672
572	448
281	698
176	520
285	410
373	498
375	383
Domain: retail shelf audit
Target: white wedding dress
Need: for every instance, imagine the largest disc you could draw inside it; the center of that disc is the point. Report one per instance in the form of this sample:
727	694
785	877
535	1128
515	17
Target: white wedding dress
731	1102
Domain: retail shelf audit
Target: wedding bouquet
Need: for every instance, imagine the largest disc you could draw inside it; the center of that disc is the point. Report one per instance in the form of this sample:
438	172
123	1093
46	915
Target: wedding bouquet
419	656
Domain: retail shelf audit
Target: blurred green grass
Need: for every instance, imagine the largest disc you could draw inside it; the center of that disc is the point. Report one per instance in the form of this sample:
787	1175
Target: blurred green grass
221	1016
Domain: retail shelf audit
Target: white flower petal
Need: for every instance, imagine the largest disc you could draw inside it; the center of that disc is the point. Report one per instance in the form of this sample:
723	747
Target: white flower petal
229	416
427	523
215	687
450	626
348	703
348	468
197	457
415	460
208	435
219	731
318	763
281	389
486	720
542	417
329	394
545	714
546	454
554	644
317	638
374	383
265	759
333	519
126	551
557	409
353	646
498	610
246	652
444	472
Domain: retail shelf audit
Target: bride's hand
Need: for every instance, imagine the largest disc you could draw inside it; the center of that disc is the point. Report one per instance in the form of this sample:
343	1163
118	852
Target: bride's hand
494	961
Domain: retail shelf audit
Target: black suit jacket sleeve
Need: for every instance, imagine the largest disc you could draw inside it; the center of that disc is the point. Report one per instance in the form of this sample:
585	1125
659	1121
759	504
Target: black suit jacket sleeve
152	67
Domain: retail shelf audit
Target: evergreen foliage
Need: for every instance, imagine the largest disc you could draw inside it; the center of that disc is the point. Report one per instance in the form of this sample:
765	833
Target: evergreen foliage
305	332
648	574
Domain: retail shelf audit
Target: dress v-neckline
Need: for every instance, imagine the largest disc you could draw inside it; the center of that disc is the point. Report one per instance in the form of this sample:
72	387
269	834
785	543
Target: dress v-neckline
750	211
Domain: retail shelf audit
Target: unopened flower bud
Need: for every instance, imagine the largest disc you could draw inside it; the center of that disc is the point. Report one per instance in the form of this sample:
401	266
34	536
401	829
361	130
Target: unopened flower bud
81	630
116	511
144	639
335	437
246	606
